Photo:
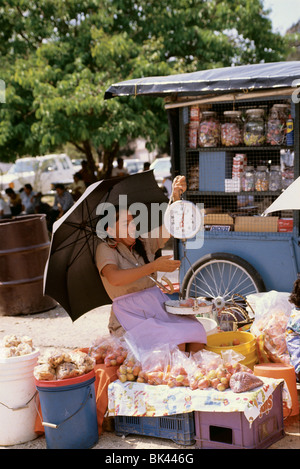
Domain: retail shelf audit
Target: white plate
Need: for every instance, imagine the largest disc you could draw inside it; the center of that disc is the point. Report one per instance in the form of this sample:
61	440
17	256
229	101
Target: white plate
173	307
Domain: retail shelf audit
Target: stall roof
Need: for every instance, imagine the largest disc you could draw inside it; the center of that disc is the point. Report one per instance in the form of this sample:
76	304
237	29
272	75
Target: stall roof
216	80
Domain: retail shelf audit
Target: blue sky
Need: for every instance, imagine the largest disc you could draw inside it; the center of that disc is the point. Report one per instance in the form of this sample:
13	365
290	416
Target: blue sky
284	13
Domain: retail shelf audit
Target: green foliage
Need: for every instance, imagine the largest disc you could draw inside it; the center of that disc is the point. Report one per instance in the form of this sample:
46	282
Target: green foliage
59	56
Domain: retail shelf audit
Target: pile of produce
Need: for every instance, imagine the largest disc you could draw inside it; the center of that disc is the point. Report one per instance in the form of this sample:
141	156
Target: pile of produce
16	346
62	365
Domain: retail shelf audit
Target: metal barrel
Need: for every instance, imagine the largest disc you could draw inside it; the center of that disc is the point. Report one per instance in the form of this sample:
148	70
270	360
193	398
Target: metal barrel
24	249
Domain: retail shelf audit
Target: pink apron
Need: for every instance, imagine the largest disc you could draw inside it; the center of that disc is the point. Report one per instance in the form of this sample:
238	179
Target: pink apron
143	314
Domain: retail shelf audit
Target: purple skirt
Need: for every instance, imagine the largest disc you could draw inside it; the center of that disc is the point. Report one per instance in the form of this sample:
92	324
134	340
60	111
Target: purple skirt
144	316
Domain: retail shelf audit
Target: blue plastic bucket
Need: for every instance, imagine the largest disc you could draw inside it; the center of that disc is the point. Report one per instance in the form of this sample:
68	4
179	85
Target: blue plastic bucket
69	412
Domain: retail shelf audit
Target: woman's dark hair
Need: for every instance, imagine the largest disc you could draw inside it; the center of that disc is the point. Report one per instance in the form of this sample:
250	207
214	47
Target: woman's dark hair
295	295
138	246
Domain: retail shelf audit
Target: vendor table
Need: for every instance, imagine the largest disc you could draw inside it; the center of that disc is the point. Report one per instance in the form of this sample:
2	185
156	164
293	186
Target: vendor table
144	400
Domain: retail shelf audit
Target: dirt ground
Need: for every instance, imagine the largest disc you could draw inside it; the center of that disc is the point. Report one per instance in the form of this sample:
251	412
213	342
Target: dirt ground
55	329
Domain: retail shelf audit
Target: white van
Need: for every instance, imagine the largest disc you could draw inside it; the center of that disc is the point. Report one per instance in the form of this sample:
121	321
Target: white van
40	171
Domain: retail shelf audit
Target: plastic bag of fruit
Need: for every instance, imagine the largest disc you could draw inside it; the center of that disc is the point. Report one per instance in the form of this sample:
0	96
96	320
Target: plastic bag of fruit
109	350
156	365
209	370
129	369
180	369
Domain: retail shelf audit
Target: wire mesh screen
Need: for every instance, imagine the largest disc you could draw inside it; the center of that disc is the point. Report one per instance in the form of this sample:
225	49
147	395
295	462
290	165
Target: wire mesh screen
239	156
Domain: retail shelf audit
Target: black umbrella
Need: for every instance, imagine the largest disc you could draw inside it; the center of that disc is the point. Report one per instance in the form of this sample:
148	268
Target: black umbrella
71	276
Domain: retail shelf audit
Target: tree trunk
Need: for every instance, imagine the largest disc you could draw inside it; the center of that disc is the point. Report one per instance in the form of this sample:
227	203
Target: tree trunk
108	157
90	159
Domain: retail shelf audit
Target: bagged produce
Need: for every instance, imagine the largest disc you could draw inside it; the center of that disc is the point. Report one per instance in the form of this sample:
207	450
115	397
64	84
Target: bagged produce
109	350
129	370
178	375
272	312
243	381
156	365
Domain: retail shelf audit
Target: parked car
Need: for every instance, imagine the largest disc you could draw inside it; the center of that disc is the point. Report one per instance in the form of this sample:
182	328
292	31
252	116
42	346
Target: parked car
161	169
133	165
40	171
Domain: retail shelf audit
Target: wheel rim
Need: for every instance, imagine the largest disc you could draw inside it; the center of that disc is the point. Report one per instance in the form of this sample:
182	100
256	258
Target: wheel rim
219	280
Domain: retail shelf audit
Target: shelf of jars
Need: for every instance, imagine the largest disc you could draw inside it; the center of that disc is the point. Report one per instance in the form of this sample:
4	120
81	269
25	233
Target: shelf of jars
240	148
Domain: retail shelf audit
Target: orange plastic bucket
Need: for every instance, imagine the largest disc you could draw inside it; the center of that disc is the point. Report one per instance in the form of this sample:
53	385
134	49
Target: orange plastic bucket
281	371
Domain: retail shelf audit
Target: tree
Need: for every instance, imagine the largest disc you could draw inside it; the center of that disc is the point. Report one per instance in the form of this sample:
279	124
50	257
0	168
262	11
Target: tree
64	54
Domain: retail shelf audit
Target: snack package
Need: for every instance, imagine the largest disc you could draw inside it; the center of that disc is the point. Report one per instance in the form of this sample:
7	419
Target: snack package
16	346
57	364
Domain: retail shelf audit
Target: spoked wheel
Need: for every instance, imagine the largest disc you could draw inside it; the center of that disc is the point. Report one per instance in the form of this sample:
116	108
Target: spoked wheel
220	275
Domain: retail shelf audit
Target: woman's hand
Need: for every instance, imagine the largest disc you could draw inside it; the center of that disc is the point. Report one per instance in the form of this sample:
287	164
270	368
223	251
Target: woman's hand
165	264
178	187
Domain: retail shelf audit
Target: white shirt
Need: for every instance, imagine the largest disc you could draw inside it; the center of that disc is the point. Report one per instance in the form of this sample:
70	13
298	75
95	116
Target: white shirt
4	207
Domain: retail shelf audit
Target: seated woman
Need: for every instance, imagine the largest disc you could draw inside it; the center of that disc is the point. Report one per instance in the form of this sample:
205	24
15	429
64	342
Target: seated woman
124	264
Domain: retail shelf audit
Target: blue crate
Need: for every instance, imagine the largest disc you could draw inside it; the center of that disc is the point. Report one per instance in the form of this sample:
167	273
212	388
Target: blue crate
179	428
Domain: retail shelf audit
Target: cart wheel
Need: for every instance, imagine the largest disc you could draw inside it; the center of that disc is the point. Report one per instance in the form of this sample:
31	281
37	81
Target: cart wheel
220	275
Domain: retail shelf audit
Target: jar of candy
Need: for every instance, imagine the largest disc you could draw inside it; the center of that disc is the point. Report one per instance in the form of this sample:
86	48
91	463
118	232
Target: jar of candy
254	129
276	124
275	178
209	130
261	179
248	179
232	129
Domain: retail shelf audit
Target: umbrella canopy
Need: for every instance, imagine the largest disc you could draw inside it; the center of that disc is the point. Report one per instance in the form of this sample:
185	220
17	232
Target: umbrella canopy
71	276
288	200
218	80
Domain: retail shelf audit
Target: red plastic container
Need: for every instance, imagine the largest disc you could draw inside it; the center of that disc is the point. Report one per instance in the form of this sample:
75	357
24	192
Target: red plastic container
231	430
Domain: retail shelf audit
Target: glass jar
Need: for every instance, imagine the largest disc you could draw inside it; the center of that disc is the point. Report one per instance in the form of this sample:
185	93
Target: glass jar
254	129
276	124
261	179
275	178
248	182
232	129
209	130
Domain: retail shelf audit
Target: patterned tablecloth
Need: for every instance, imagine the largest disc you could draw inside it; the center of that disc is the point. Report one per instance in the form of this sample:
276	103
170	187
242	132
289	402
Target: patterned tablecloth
144	400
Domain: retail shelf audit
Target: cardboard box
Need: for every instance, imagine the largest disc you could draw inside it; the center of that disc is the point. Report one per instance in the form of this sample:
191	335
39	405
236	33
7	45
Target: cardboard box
285	225
218	219
256	224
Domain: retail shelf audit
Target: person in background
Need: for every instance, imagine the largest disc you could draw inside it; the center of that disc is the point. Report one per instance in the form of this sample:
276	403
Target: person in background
146	166
5	211
87	174
119	171
62	203
293	330
28	199
15	202
77	187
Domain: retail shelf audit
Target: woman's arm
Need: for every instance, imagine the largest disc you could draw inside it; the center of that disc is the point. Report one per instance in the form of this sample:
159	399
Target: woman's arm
119	277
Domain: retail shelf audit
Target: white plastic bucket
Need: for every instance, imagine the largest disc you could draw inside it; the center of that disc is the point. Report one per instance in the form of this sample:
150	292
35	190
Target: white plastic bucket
18	409
210	326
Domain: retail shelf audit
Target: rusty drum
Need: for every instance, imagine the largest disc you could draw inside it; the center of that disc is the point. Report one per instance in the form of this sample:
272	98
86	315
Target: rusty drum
24	248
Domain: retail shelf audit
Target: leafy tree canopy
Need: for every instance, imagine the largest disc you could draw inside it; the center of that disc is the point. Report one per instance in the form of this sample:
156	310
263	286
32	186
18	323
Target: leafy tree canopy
59	56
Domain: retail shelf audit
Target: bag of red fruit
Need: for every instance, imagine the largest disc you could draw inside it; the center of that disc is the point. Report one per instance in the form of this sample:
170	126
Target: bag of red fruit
180	369
208	371
109	350
155	366
130	369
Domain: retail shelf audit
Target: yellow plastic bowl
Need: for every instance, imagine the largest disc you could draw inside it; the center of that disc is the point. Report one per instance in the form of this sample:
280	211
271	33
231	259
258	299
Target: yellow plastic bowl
247	346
